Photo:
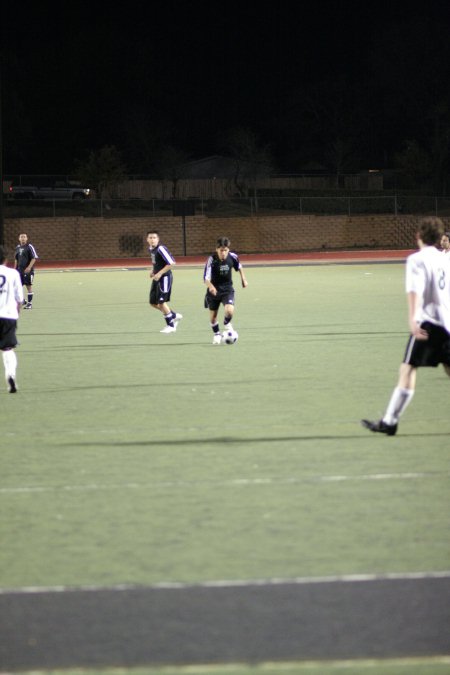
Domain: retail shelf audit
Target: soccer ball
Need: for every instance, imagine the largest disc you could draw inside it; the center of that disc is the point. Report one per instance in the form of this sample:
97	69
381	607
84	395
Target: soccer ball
229	337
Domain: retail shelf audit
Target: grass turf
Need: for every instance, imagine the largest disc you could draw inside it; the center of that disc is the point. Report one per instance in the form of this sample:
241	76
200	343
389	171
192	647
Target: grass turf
135	457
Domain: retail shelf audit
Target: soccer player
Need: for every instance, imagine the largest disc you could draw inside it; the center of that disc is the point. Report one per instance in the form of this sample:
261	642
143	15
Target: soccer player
162	278
428	295
217	276
11	298
25	259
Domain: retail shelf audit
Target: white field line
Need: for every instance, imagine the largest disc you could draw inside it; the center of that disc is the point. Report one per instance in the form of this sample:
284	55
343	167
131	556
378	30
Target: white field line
233	482
235	583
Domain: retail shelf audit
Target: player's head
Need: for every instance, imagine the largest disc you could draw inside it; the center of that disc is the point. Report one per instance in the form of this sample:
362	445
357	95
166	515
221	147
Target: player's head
445	241
2	255
223	247
430	231
152	238
23	238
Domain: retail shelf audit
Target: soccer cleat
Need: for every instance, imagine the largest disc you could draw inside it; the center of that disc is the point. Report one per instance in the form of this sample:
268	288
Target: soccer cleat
12	385
178	317
28	305
217	339
169	329
381	427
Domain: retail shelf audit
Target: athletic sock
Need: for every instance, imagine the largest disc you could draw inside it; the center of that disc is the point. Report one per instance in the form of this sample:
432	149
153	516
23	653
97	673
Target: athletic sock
400	400
227	320
215	327
30	298
169	318
10	363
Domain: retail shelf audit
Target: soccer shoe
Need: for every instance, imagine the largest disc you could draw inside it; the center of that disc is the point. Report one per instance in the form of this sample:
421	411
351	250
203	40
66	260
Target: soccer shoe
217	339
381	427
28	305
12	385
169	329
178	317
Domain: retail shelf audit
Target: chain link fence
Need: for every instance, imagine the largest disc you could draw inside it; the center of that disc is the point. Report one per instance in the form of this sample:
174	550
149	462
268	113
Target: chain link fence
308	205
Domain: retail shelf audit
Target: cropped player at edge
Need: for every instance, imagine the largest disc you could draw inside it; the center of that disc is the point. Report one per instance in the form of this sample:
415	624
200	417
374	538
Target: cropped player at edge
428	297
162	280
217	276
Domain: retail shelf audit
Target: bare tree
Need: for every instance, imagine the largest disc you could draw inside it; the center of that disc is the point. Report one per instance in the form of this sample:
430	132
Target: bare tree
251	160
103	169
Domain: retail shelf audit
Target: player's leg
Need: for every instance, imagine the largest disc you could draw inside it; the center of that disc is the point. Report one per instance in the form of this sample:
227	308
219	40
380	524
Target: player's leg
228	302
159	299
170	317
419	353
8	342
28	282
229	312
10	366
217	338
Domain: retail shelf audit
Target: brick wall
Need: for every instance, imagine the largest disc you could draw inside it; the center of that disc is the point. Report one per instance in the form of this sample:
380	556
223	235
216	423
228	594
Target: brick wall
93	238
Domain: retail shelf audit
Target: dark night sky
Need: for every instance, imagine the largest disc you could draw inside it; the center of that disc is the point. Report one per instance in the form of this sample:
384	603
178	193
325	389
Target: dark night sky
77	76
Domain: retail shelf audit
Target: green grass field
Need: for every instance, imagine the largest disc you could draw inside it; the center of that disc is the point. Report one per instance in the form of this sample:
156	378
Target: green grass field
132	457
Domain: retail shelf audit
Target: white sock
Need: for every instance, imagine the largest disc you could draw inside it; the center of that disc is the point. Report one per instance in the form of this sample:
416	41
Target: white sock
400	400
10	363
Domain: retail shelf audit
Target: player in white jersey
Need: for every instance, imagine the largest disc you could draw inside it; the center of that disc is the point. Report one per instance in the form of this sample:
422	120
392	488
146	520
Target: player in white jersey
428	294
11	299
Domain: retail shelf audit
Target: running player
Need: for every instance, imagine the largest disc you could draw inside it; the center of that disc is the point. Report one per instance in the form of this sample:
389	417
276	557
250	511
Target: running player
217	276
428	293
11	298
162	279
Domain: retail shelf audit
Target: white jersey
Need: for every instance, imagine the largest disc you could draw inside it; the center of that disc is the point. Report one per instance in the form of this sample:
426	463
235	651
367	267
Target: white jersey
428	275
11	292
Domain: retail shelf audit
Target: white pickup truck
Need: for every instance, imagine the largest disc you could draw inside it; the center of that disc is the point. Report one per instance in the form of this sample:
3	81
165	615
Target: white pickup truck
57	190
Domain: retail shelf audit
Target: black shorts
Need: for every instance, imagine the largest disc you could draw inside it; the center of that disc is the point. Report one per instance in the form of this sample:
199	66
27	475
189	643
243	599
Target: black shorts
431	352
160	290
26	277
213	302
8	338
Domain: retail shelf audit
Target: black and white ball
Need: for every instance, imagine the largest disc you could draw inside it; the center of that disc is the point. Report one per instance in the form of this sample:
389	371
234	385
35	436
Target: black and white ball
229	337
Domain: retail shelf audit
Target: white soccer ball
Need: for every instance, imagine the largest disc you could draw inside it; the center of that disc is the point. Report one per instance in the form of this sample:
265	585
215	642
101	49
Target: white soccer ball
229	337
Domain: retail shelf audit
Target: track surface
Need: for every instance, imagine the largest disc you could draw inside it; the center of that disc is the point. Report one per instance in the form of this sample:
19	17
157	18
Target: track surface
381	618
308	258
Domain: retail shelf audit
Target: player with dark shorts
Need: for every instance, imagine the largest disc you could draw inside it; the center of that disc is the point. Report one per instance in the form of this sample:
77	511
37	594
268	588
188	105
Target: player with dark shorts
11	298
217	275
162	279
25	258
430	352
428	295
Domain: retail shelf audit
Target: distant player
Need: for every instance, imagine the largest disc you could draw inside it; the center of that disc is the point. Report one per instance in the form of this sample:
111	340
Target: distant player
162	279
428	293
445	243
11	298
217	275
25	259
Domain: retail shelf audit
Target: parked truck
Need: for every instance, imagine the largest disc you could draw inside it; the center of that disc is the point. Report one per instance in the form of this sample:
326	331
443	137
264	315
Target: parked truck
56	190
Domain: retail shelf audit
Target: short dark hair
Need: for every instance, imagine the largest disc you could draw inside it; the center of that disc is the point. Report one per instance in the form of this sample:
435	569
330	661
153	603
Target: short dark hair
2	255
431	230
223	242
153	232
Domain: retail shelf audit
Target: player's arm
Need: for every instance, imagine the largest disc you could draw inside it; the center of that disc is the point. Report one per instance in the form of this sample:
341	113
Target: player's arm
244	281
207	274
414	304
164	270
30	265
